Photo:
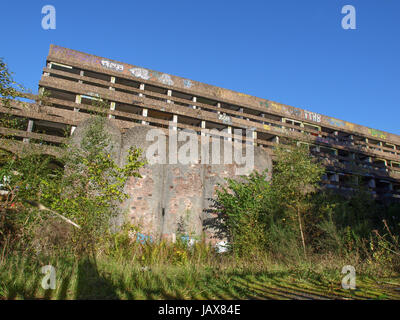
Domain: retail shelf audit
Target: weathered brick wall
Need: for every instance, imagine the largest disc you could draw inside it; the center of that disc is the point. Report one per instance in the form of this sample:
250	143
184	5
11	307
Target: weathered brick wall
168	195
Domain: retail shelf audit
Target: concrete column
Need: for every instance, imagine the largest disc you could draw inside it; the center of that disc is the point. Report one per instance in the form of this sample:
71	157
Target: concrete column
230	133
144	114
255	138
218	106
141	87
241	111
169	93
175	120
81	73
203	126
336	135
112	80
28	129
263	116
112	108
194	100
78	99
277	139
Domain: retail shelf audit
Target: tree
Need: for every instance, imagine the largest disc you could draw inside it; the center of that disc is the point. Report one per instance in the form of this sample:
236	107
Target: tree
85	189
241	207
92	185
295	178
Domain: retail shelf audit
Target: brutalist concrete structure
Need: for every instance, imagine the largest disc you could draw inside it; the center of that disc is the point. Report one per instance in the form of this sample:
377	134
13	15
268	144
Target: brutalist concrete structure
140	99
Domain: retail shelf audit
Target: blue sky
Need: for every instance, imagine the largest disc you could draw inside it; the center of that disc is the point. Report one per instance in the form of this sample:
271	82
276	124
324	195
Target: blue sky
290	51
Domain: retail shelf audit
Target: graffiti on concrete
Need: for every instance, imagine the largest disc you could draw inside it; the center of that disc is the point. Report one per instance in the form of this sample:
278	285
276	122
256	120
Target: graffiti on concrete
166	79
289	111
264	104
82	57
140	73
329	140
142	238
340	123
308	115
244	95
188	241
336	122
377	133
112	65
225	119
154	75
187	83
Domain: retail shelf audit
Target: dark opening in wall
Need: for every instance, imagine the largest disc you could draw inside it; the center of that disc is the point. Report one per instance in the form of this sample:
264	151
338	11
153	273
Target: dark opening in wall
160	115
151	88
50	128
64	68
127	82
97	75
128	108
61	94
95	84
181	95
53	75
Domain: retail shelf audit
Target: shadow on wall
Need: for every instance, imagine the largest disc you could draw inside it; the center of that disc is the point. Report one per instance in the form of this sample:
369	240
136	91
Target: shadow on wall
213	224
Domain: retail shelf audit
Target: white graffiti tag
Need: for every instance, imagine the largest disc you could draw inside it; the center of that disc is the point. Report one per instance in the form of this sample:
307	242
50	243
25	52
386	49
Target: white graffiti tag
166	79
112	65
140	73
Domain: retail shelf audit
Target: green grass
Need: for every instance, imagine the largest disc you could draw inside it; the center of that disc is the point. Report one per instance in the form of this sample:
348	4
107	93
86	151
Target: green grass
110	278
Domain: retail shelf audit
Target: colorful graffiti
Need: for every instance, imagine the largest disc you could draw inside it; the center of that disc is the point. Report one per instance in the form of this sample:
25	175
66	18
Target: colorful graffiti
308	115
328	140
244	95
82	57
155	76
336	122
142	238
377	133
264	104
188	241
112	65
340	123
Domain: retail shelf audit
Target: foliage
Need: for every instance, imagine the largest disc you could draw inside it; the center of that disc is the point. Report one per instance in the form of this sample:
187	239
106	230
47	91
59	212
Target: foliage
295	179
241	205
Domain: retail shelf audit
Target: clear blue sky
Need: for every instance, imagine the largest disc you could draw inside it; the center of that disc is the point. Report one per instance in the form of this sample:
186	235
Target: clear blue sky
290	51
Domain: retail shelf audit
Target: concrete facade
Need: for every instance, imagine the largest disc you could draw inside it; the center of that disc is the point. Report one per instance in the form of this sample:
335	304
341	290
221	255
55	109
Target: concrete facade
141	98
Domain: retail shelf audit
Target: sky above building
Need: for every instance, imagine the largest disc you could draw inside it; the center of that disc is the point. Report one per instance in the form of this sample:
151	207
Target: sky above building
289	51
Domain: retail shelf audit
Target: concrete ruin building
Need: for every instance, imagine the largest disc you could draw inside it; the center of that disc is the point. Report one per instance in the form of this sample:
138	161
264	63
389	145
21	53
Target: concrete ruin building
140	99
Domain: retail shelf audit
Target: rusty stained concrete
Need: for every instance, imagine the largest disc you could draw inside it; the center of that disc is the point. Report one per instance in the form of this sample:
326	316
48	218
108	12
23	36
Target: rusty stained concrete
171	194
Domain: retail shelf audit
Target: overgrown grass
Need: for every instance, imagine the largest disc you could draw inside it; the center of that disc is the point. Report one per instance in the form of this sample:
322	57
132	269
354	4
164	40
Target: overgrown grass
223	277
